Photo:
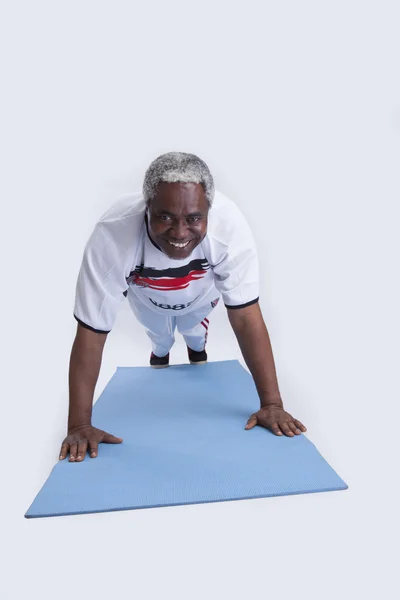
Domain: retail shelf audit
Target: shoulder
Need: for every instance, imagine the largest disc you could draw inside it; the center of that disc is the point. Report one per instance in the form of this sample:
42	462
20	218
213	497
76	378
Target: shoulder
123	221
126	207
224	218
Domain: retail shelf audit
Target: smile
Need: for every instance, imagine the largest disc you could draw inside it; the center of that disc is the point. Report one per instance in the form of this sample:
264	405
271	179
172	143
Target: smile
177	245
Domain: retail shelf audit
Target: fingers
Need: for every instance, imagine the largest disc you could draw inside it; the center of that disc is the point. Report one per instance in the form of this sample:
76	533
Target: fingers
293	427
82	447
286	429
73	449
275	429
64	450
79	447
276	420
290	429
300	425
94	448
252	422
111	439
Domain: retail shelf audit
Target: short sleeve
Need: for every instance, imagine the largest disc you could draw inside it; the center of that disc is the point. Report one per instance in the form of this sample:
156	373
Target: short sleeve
101	283
236	274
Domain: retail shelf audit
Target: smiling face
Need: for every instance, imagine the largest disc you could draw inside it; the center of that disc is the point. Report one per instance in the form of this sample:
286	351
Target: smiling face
177	218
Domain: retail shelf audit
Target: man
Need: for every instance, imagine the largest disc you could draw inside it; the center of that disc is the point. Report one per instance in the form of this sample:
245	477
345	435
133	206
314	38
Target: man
173	251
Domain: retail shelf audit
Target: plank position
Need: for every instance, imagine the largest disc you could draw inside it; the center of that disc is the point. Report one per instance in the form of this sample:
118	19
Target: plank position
172	250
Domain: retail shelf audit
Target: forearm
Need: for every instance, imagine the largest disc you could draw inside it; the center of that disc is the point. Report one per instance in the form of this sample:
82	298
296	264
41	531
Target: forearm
84	368
255	345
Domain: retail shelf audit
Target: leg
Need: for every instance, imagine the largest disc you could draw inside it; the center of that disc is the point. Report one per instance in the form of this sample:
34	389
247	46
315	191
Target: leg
194	325
159	328
195	337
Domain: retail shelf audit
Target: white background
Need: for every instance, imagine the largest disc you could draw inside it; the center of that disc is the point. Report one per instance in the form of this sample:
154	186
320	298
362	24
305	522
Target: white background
295	107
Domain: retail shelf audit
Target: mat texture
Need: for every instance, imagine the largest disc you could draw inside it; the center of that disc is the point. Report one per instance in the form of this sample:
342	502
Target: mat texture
184	443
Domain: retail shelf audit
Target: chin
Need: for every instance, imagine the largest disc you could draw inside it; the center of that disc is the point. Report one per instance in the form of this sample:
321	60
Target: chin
177	256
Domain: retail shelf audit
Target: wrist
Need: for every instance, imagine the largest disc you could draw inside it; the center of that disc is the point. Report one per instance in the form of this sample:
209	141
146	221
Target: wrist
76	426
266	400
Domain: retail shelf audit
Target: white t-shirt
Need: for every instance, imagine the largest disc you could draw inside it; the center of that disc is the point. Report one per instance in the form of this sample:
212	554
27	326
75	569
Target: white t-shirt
120	258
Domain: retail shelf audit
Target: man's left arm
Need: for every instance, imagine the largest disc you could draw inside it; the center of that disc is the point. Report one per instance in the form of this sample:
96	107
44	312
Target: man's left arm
252	335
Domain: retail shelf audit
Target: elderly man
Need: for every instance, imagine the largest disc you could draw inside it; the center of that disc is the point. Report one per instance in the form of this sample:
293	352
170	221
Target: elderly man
173	250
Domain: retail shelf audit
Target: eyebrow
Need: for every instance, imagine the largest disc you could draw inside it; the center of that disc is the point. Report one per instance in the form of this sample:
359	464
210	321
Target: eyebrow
166	212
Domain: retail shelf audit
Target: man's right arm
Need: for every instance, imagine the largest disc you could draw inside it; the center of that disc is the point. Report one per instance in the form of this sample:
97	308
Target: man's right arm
84	368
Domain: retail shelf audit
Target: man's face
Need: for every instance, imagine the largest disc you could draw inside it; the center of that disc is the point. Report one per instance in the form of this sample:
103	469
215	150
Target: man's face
178	218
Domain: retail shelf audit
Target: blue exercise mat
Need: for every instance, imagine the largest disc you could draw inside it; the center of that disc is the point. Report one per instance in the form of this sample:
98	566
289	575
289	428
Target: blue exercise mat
184	443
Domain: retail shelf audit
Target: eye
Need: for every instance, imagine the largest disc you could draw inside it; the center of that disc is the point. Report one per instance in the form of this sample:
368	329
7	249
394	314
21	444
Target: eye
164	218
193	219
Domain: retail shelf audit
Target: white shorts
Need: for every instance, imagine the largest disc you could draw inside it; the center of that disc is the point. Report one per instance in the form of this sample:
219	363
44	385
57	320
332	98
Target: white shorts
160	328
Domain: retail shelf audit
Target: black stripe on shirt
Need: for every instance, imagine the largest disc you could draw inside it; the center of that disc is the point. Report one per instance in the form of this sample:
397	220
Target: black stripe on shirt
88	326
243	305
197	264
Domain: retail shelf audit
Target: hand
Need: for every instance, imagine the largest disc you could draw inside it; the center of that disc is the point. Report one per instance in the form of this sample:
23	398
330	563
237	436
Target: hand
85	439
277	420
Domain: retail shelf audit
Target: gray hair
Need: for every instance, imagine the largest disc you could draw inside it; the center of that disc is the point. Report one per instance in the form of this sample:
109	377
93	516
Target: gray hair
178	166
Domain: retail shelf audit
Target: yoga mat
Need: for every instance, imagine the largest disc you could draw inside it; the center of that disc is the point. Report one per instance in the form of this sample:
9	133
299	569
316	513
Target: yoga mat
184	443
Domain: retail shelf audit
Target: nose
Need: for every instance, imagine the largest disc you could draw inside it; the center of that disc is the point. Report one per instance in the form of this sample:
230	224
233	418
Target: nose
179	229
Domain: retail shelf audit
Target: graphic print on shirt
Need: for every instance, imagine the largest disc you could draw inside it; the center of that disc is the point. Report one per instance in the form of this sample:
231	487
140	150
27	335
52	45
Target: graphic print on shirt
173	306
172	279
